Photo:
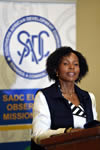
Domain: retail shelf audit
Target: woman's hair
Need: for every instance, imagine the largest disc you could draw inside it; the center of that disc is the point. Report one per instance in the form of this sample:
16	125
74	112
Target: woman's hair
55	58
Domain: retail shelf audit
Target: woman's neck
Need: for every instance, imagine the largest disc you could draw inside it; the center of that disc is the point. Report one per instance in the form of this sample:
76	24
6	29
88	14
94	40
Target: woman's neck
67	87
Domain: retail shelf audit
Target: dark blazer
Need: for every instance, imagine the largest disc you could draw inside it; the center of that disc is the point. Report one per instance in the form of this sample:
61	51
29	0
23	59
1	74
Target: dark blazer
61	115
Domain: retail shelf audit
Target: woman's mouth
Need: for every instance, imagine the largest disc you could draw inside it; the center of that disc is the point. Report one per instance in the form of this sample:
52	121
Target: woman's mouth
71	74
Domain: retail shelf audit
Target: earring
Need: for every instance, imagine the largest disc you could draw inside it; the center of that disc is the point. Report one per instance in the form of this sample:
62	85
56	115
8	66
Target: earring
57	74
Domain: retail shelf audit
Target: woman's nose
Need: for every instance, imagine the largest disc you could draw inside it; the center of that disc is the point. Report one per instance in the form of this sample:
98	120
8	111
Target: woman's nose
71	66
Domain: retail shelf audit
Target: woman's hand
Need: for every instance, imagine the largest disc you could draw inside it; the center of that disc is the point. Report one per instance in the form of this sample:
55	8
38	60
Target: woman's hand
71	130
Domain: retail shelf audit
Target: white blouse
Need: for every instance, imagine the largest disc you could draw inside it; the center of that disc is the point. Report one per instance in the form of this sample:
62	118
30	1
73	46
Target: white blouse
42	119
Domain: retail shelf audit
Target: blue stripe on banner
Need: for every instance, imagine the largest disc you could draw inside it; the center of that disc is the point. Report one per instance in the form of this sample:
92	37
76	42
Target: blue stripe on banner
16	106
16	146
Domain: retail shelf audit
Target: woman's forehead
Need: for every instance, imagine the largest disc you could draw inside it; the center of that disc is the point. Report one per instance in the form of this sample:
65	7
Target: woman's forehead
70	56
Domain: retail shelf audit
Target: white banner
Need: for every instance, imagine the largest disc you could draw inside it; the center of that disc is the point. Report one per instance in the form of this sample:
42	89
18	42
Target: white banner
29	33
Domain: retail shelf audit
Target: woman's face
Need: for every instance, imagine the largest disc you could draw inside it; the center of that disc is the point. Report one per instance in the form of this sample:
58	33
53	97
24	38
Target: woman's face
69	69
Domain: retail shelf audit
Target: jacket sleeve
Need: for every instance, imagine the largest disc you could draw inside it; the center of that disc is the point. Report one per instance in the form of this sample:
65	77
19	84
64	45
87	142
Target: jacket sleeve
93	105
42	120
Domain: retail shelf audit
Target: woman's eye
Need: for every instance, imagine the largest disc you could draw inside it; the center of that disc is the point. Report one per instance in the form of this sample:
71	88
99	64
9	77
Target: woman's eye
76	64
65	63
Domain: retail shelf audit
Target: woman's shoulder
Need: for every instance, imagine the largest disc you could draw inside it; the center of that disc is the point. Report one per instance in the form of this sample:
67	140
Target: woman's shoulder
85	92
91	94
49	88
82	91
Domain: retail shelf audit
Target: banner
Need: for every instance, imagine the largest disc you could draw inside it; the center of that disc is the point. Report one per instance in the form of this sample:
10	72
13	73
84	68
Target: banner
30	32
16	118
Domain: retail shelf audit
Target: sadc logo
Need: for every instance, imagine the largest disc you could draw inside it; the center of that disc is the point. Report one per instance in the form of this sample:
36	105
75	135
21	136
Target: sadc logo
27	44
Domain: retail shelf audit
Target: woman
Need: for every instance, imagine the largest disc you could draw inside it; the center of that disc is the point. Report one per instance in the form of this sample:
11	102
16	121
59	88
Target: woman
63	107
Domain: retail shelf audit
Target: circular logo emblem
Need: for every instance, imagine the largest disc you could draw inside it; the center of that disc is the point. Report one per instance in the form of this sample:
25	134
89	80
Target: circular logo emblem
27	44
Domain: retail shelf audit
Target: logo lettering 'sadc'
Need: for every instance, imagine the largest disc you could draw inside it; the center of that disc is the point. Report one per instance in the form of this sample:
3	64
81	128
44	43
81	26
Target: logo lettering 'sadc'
27	44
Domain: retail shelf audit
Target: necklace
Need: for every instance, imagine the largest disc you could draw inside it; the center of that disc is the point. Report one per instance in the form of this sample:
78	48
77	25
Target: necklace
63	92
70	94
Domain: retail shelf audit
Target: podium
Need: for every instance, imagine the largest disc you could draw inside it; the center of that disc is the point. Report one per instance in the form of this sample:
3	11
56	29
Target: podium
85	139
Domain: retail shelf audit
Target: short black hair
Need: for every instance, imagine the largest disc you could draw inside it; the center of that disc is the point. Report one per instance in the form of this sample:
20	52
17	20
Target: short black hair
55	58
